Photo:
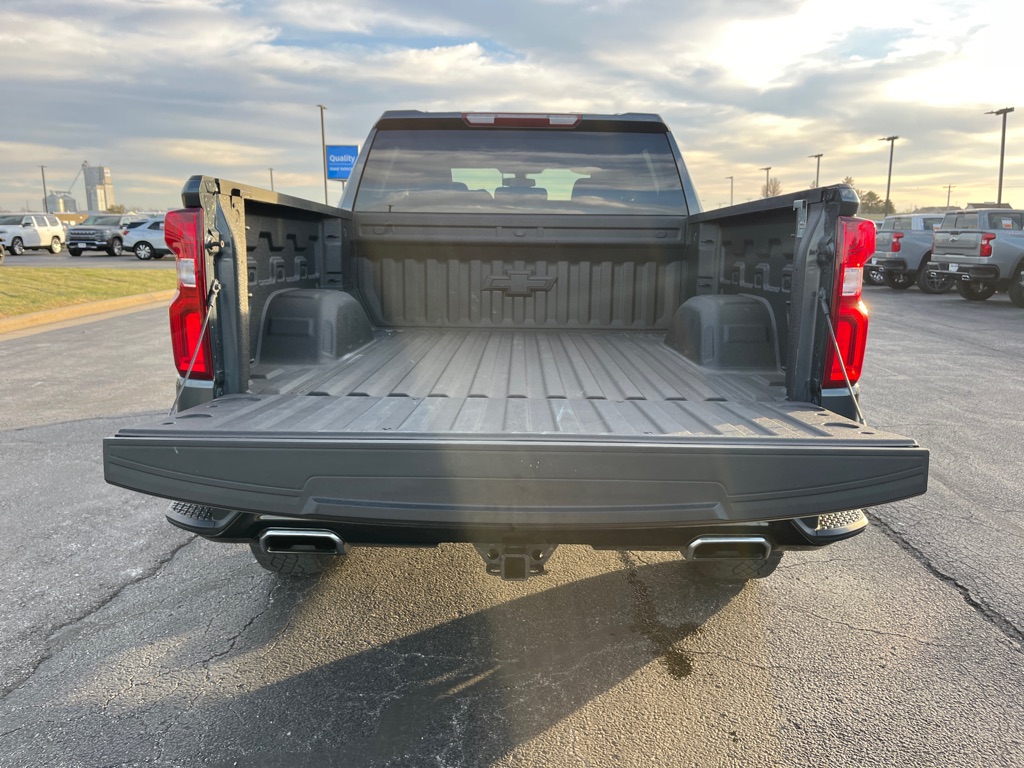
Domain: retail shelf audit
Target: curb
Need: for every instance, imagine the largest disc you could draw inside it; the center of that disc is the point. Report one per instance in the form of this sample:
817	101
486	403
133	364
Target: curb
48	316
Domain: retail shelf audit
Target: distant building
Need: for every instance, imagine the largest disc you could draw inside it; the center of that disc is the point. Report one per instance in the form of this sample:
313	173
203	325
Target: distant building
99	189
61	202
977	206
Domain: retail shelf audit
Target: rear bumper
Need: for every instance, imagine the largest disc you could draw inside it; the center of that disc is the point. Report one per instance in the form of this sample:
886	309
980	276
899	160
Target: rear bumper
889	263
988	273
89	245
230	526
518	483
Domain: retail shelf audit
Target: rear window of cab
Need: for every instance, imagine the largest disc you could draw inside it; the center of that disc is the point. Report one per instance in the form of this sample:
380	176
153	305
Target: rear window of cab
501	171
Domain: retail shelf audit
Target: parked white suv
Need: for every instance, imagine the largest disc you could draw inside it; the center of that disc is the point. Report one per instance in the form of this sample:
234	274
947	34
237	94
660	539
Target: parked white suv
32	231
147	239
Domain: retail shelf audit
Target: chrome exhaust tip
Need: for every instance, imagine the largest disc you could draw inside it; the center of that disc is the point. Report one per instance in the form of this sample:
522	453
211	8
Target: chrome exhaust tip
728	548
302	541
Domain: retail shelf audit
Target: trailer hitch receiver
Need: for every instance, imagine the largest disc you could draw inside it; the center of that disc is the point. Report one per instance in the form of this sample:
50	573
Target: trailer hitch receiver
515	562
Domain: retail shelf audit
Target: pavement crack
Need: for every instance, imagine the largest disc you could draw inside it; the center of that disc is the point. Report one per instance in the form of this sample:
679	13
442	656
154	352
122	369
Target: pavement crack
5	734
90	611
878	632
233	640
1000	622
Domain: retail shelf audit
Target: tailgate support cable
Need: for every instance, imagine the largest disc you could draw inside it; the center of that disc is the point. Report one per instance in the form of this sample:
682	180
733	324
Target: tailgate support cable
839	356
214	290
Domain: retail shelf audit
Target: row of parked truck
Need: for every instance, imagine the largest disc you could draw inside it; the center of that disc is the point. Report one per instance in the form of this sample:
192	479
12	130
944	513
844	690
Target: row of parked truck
976	251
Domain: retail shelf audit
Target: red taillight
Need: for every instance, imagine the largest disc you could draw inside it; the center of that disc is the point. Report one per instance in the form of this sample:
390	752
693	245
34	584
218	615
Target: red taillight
856	244
520	120
986	243
894	247
183	231
852	336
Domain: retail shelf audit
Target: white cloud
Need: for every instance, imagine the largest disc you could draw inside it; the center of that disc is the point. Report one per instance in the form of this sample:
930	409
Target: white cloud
366	18
161	90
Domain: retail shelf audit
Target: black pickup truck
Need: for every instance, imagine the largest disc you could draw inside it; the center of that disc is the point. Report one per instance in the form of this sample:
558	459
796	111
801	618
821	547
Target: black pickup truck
518	331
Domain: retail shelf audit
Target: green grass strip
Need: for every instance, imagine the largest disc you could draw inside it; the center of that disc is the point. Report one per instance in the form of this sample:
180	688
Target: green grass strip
32	289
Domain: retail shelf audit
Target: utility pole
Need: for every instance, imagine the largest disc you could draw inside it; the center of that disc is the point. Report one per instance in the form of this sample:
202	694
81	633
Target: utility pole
767	181
730	188
949	188
46	203
817	171
1002	148
271	179
888	180
323	148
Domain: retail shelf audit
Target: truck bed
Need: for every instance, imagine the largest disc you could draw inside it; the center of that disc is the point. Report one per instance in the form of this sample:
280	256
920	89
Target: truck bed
523	382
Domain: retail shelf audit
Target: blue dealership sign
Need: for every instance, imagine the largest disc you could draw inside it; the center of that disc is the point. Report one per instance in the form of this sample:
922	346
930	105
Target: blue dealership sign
340	160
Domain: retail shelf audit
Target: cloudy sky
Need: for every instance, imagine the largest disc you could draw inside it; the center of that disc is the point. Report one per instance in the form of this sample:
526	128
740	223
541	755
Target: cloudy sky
158	90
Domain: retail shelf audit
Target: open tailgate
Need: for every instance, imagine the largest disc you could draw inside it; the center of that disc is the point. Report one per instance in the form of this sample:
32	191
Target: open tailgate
523	462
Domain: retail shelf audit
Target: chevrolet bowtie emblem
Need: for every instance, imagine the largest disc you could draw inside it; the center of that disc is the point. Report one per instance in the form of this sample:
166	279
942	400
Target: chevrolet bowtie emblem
519	283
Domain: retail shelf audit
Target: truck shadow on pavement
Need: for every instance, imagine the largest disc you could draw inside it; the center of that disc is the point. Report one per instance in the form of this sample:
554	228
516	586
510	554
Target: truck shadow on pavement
469	691
232	668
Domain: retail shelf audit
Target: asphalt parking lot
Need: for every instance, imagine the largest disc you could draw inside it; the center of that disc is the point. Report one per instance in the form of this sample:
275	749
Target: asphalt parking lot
130	642
91	259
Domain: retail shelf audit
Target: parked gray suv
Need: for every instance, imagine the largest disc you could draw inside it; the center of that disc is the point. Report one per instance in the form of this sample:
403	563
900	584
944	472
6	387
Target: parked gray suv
982	251
903	246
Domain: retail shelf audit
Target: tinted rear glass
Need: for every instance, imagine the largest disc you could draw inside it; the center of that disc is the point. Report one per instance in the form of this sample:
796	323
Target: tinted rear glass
1007	220
960	221
486	170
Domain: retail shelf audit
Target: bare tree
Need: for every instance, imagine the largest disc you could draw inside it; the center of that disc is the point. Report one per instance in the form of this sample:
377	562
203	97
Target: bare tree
772	189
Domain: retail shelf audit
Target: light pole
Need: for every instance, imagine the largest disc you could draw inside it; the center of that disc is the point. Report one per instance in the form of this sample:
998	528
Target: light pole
730	188
46	203
1002	147
888	180
817	171
766	169
949	188
323	148
271	179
